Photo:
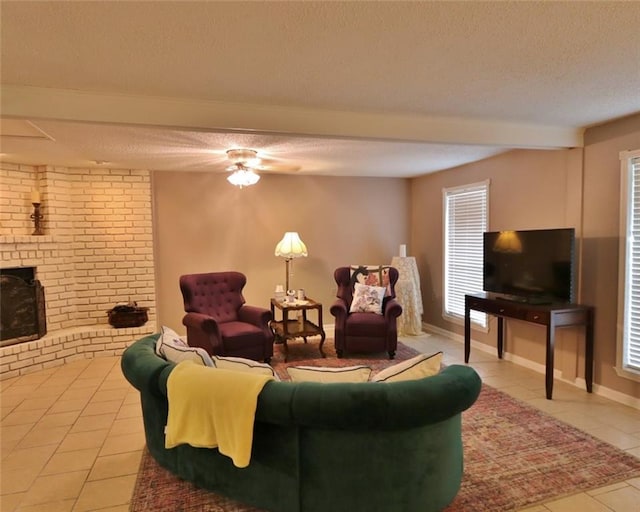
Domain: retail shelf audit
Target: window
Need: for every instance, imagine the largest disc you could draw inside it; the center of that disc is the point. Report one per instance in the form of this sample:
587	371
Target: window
465	220
629	268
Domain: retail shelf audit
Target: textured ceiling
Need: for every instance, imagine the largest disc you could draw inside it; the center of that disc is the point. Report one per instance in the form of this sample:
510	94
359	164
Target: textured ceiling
340	88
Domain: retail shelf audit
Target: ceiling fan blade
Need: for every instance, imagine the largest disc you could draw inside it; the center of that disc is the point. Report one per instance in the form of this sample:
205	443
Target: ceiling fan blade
271	164
284	168
245	158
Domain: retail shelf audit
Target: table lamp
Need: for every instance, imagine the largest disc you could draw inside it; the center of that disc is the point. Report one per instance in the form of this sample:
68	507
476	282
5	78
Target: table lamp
290	247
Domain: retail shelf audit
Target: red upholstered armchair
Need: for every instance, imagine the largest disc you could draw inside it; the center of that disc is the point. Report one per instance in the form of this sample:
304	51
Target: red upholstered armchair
218	319
365	332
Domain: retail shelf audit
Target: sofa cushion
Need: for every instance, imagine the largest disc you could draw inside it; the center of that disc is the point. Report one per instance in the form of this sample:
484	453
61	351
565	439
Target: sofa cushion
243	333
417	367
242	364
367	299
359	373
172	348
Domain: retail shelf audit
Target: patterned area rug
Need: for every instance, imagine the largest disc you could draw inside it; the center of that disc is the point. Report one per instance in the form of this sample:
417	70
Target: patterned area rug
515	455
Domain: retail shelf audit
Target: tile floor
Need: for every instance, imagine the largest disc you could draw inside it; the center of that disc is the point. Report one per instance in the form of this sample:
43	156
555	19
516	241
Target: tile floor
71	437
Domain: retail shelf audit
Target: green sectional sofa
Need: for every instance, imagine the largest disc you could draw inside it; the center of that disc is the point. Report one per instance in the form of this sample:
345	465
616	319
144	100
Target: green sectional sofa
326	447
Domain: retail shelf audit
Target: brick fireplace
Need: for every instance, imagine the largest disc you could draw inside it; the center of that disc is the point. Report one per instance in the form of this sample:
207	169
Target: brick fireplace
97	251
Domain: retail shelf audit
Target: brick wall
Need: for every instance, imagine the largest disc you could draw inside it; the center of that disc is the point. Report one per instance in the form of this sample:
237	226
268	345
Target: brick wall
97	251
16	183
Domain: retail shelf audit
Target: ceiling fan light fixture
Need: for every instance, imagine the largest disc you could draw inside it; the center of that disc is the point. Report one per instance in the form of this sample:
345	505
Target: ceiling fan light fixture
243	156
243	177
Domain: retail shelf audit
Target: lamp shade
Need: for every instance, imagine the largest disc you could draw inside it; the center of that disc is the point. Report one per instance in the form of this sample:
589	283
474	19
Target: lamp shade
291	246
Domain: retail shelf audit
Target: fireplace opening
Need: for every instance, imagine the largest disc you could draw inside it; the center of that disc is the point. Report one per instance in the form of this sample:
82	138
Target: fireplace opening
22	306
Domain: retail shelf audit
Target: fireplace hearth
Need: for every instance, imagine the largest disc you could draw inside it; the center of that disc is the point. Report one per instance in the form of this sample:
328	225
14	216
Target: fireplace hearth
22	306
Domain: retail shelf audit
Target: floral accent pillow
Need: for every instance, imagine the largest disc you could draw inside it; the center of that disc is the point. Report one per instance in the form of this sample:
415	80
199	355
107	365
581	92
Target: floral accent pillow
371	275
367	299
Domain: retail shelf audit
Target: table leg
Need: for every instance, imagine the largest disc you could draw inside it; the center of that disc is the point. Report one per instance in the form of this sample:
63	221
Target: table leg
285	332
500	337
588	357
467	332
551	334
322	337
304	323
322	333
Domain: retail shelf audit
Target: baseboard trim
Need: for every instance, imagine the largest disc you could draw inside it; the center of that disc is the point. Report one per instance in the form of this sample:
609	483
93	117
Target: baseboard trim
603	391
329	330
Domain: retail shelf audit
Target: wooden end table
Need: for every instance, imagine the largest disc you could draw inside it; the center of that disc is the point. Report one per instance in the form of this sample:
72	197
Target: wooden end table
288	329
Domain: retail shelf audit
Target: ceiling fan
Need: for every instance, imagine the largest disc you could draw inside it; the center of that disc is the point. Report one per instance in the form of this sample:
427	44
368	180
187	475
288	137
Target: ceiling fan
245	163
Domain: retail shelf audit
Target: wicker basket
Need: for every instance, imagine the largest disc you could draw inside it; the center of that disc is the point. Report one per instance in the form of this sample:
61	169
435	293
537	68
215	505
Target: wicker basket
135	318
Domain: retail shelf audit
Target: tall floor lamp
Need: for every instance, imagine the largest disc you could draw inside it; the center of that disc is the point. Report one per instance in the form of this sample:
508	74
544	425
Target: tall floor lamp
288	248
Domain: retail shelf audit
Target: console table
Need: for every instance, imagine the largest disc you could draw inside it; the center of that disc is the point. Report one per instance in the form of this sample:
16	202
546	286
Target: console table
549	315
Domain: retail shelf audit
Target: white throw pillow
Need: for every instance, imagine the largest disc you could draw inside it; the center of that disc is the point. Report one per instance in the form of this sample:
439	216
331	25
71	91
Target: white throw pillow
172	348
166	334
241	364
367	299
323	374
417	367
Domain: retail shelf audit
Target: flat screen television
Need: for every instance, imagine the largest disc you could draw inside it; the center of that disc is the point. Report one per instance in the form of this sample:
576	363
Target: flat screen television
535	266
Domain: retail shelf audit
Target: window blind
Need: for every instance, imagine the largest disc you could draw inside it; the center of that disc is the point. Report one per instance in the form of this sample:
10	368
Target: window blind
466	210
631	345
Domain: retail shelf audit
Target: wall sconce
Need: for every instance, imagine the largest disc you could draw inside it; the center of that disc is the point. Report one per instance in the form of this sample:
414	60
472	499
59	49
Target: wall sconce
36	215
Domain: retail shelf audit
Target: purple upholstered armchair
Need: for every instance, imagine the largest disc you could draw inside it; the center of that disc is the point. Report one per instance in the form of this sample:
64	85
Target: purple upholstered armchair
218	319
365	332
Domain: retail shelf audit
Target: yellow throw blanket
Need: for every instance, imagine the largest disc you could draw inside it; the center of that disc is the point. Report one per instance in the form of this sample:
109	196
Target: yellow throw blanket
211	407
